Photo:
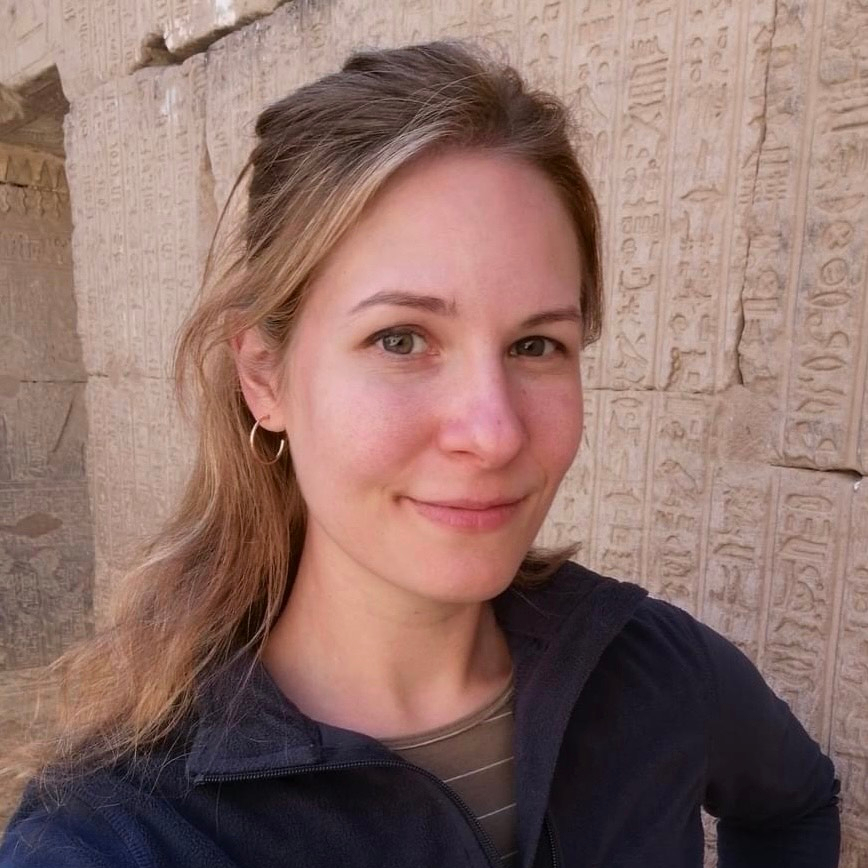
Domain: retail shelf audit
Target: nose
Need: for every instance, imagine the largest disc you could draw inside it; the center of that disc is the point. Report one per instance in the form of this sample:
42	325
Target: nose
483	418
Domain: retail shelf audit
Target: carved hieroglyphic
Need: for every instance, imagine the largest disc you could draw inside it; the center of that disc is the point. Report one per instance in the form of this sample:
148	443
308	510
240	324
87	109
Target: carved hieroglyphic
46	531
806	569
46	565
139	452
451	18
641	190
743	504
594	68
250	69
544	43
695	345
775	220
622	480
144	211
827	367
37	306
43	430
849	730
95	42
727	144
677	519
137	160
571	517
495	23
29	34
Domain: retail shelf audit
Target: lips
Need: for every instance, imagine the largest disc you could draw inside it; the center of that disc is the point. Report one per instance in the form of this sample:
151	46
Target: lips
469	514
467	503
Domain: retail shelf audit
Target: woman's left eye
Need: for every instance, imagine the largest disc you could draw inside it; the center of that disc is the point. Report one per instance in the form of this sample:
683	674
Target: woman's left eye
535	346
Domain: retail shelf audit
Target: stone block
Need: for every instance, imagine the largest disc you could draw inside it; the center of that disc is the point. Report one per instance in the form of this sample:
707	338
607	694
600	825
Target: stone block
37	304
46	571
42	432
143	215
805	572
30	34
96	42
138	456
31	115
825	386
263	62
849	713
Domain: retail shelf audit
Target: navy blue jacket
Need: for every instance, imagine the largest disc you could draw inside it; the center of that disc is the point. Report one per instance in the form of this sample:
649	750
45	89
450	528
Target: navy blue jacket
629	716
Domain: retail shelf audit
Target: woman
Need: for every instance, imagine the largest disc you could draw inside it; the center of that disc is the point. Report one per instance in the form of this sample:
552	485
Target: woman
342	650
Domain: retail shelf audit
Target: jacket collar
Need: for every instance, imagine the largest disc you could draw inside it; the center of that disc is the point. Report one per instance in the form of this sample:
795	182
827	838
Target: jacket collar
556	633
576	616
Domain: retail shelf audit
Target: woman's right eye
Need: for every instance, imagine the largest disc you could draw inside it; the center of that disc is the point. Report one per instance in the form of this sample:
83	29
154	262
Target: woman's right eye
401	342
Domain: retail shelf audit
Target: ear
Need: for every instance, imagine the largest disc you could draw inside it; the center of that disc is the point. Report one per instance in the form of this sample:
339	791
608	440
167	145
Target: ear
257	367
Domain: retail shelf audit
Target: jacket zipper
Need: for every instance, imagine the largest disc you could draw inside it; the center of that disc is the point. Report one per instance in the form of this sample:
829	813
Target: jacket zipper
491	854
554	849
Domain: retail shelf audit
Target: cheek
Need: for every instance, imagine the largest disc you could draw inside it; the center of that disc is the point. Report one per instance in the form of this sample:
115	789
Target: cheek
355	431
556	418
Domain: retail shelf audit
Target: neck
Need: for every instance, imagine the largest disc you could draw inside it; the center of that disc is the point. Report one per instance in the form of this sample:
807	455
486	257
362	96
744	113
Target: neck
354	651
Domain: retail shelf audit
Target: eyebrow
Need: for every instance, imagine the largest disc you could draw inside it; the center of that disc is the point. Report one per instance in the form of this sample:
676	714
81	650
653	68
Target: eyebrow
437	305
559	314
430	303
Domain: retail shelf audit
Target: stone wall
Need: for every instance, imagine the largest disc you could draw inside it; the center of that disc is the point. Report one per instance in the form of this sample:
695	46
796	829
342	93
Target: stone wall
727	410
46	531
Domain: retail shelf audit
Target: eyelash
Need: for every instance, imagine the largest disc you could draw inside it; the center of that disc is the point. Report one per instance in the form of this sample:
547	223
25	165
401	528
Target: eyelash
400	331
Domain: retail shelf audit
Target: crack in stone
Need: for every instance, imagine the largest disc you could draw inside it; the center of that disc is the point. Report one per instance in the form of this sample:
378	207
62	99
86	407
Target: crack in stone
763	120
50	382
155	51
63	427
130	376
851	473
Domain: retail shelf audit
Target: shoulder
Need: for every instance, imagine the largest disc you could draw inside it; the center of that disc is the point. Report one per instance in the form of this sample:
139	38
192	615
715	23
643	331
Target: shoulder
691	663
92	818
664	646
671	631
68	829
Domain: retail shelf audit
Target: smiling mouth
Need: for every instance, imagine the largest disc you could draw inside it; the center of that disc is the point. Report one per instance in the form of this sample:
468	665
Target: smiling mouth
468	514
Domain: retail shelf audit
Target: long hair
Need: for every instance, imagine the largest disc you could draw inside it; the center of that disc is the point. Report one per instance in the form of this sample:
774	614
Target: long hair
214	578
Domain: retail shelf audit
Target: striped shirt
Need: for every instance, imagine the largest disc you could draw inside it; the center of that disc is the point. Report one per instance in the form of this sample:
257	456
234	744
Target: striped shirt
474	757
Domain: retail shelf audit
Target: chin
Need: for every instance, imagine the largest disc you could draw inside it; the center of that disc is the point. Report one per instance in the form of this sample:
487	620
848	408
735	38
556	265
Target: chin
467	582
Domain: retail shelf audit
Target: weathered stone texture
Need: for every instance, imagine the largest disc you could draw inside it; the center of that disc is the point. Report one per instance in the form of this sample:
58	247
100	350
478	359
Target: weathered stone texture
37	308
138	454
46	567
95	42
136	158
849	720
46	532
143	212
106	40
30	35
726	404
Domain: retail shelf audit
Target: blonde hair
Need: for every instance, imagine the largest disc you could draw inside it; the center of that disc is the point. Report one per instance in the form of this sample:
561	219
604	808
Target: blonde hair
213	580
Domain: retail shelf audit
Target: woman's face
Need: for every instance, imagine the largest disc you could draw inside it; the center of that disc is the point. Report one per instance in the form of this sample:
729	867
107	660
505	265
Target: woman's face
431	397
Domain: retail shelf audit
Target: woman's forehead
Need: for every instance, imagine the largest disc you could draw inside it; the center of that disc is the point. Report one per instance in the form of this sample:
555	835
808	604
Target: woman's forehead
453	225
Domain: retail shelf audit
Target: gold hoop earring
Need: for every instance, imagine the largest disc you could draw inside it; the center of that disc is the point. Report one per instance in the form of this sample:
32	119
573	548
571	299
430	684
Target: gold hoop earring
253	446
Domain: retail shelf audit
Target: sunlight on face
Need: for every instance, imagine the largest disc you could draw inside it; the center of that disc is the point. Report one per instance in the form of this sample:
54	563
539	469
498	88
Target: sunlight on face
433	397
